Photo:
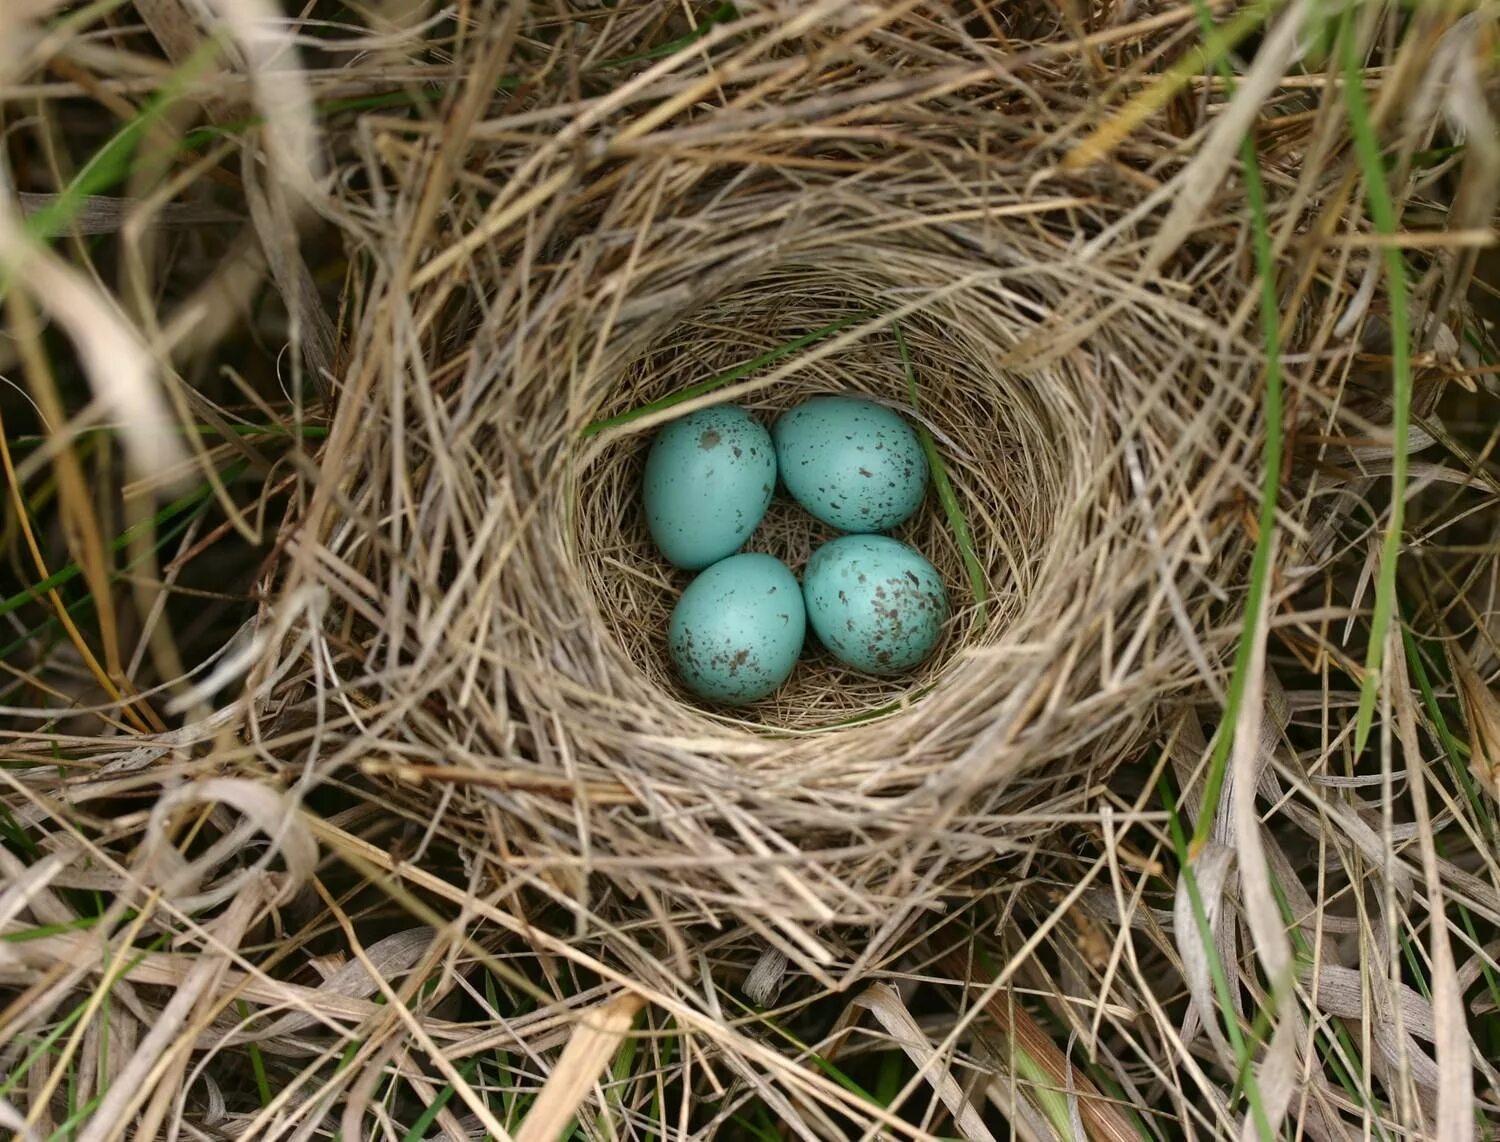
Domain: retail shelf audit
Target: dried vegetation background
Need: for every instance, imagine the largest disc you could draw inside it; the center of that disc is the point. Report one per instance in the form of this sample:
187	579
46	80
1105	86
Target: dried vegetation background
344	788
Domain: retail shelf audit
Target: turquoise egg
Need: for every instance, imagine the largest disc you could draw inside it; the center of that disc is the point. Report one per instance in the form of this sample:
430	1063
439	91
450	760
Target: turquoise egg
738	628
876	604
709	479
852	463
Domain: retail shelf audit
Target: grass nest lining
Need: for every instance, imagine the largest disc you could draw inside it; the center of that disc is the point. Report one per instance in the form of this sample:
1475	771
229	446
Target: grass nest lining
1031	456
999	459
1094	432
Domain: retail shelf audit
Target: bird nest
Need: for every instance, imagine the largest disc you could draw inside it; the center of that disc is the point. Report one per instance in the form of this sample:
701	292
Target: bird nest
1034	456
502	614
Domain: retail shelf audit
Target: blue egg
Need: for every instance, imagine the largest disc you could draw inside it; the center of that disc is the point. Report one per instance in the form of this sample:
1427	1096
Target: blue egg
854	464
738	628
876	604
709	479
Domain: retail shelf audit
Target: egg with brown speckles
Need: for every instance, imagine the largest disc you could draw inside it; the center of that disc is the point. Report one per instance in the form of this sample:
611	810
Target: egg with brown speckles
876	604
737	630
709	479
854	464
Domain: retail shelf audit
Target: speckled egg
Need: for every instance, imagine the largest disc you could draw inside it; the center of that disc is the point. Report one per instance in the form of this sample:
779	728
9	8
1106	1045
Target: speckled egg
738	628
709	479
852	463
876	604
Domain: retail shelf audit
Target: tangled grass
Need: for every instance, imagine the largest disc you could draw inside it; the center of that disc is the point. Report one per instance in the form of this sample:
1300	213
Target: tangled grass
353	794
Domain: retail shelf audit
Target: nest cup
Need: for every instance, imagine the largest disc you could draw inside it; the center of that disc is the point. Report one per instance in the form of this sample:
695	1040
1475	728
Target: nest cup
1086	426
996	436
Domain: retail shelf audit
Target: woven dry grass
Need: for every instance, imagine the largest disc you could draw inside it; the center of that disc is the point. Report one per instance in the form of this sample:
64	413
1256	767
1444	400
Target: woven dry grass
1033	455
443	763
1101	427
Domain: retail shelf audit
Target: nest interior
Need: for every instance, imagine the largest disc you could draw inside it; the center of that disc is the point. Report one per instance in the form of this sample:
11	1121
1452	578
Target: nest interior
992	431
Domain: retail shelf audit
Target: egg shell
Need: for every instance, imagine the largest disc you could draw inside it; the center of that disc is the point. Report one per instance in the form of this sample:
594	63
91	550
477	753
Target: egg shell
737	630
875	603
854	464
709	479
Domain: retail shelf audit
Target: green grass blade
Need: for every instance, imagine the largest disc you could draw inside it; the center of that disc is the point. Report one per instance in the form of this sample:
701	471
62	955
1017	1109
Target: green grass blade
239	431
888	1079
621	1071
1451	745
762	1128
1383	215
112	163
42	931
722	14
70	1103
11	832
1238	1042
668	1057
257	1060
1060	1029
728	376
1044	1095
74	1120
827	1066
70	572
1338	1045
1333	1047
1260	561
424	1121
946	495
44	1046
42	1049
52	624
200	137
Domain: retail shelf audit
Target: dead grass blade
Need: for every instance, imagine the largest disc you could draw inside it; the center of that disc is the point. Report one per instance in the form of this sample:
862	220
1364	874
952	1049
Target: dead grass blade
265	810
1452	1044
1481	713
1101	1119
1199	182
119	366
594	1042
131	1090
100	214
884	1003
1278	1075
